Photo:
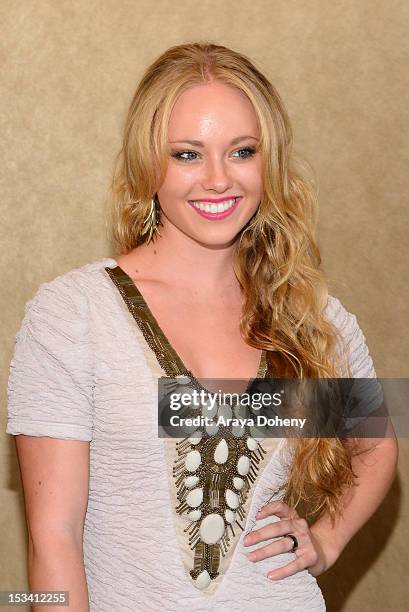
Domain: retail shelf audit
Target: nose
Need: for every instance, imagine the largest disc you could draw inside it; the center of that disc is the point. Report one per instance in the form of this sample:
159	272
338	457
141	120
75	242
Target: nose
216	176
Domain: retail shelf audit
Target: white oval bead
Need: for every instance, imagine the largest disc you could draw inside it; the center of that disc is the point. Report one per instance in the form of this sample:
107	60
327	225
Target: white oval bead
195	439
211	528
221	452
241	411
187	429
232	499
230	516
208	410
237	431
224	411
186	390
203	580
238	483
212	429
251	444
194	515
194	498
192	461
243	465
191	481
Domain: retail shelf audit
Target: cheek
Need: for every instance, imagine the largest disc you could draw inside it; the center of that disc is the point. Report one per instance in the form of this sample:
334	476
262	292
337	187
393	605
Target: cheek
249	176
177	182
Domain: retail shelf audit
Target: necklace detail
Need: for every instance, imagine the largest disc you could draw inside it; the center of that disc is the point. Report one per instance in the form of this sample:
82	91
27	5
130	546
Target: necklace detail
213	476
216	466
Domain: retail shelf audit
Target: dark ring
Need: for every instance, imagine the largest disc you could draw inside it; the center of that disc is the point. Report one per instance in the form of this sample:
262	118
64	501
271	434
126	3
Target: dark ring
294	539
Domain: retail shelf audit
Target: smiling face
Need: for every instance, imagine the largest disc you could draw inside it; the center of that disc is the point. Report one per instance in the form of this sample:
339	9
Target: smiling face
202	178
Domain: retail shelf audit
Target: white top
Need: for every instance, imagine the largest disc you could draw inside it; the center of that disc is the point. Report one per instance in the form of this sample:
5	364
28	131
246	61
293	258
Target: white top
82	370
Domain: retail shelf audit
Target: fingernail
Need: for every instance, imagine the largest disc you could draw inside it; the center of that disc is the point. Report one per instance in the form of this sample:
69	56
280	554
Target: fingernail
250	557
271	576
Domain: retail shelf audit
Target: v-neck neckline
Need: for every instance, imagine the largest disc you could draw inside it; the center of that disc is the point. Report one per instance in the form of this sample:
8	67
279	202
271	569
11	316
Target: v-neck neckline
171	363
165	353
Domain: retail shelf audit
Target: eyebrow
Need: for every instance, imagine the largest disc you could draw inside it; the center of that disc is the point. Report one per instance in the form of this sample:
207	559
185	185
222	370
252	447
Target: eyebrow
198	143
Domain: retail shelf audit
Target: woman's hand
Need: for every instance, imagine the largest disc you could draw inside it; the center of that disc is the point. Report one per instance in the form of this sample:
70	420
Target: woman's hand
310	551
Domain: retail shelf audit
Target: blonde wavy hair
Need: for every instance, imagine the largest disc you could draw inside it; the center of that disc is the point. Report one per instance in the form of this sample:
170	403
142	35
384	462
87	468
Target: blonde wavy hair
277	260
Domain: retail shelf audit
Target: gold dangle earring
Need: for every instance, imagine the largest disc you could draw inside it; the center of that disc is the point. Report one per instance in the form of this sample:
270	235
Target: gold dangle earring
152	221
259	219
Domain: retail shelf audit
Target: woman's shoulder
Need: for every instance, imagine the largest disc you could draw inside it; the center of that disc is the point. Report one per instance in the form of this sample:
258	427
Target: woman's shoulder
336	312
340	316
355	341
51	379
73	289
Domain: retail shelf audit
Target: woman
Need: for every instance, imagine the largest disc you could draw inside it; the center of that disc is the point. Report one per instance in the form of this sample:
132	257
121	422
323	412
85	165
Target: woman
217	276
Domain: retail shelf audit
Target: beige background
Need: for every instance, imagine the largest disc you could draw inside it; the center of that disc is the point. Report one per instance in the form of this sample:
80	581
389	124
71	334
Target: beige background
69	71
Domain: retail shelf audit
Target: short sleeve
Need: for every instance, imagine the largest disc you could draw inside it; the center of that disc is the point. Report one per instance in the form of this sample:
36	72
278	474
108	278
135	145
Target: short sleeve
359	359
365	395
50	385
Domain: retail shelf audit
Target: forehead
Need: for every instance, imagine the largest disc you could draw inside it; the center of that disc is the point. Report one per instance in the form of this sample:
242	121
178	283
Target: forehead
212	111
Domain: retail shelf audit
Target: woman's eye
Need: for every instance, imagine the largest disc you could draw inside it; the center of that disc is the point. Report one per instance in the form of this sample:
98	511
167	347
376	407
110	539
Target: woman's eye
250	151
179	155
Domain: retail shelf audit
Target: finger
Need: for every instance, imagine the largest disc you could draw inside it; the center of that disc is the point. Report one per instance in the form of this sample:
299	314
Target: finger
301	525
272	530
277	508
288	570
276	548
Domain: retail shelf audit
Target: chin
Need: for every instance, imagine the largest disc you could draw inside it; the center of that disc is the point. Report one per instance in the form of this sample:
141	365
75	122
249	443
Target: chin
216	241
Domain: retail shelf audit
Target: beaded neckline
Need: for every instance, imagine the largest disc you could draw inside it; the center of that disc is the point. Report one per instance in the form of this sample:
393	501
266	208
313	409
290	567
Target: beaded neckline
166	355
212	475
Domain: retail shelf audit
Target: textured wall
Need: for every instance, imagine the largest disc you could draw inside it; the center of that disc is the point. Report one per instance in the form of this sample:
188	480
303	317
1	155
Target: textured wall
69	70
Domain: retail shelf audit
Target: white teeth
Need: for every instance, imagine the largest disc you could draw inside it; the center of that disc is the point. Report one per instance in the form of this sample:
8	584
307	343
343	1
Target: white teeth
213	207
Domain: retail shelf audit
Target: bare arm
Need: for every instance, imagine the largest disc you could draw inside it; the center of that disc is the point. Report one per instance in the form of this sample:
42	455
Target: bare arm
55	478
375	471
320	545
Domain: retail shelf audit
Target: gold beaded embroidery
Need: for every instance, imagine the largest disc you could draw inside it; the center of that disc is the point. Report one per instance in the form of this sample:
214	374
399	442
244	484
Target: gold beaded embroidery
216	481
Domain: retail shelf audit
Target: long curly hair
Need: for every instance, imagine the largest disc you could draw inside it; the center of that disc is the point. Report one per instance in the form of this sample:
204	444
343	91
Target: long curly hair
277	259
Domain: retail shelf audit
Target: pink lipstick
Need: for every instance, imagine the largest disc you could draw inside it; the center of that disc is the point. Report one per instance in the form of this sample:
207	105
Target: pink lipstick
216	216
